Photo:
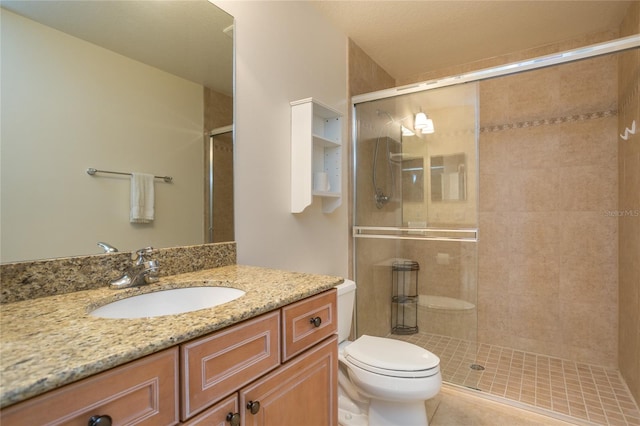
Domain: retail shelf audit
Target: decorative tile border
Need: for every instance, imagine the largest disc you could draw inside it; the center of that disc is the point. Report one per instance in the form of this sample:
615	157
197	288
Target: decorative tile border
549	121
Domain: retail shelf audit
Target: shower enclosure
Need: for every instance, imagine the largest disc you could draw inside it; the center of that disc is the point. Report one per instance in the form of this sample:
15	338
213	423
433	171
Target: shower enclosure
416	216
517	211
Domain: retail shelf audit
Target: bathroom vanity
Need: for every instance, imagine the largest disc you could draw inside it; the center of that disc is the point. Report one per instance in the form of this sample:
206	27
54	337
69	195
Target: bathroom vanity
269	357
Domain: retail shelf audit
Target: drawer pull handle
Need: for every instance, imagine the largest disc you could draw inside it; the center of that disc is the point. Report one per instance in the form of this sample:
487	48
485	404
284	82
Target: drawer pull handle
233	419
100	420
253	406
316	321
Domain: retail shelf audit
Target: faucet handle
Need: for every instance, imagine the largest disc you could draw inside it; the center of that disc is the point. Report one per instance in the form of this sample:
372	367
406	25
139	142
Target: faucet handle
139	256
151	271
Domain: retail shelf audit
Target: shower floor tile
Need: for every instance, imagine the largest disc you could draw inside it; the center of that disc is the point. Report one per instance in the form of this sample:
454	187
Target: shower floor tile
587	393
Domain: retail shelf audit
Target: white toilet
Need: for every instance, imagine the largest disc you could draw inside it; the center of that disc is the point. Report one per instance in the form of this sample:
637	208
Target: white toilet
388	380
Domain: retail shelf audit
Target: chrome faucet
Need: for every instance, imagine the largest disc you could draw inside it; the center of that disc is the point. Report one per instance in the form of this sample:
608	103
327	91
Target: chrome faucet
142	271
108	248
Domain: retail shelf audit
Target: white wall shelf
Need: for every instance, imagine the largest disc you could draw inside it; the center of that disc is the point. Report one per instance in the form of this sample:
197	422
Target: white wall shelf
316	146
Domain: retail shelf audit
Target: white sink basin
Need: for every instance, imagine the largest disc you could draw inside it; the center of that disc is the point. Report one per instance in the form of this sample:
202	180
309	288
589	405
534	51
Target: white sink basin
168	302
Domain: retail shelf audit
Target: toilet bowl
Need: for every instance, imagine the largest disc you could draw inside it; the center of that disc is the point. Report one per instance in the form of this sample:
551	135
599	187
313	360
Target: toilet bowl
381	381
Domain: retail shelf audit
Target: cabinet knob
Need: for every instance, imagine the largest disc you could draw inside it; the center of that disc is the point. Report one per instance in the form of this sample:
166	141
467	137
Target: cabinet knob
233	419
100	420
316	321
253	406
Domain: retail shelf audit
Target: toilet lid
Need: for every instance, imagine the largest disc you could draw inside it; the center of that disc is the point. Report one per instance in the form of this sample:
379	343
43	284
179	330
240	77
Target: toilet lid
391	357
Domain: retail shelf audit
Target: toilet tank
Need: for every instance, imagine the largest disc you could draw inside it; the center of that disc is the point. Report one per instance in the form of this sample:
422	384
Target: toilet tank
346	300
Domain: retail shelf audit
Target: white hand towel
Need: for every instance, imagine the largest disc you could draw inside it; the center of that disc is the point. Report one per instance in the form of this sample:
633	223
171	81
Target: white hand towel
454	186
450	186
142	198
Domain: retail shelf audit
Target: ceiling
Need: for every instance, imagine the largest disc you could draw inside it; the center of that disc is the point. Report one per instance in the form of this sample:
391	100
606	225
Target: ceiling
408	38
190	39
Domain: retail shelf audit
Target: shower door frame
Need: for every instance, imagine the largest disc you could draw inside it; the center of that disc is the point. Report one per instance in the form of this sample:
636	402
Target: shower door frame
586	52
598	49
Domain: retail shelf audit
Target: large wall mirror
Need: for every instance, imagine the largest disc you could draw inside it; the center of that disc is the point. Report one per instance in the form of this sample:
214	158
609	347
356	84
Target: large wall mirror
126	86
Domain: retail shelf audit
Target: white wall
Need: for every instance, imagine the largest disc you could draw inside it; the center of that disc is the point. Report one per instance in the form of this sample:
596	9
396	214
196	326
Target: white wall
68	105
285	51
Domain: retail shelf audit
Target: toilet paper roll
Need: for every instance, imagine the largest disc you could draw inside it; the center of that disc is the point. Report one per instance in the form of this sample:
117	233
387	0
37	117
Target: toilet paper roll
321	182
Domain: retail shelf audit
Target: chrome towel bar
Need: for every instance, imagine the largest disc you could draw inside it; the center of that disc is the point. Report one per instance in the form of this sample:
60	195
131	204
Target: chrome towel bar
401	233
91	171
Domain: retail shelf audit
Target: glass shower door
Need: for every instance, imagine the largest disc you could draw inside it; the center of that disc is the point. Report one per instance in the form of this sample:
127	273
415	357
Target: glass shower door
416	204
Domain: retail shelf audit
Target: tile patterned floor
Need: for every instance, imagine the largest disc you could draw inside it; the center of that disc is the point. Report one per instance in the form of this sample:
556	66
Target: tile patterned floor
588	393
456	406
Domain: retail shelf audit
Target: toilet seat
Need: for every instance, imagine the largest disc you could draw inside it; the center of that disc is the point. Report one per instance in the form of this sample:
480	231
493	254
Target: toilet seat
390	357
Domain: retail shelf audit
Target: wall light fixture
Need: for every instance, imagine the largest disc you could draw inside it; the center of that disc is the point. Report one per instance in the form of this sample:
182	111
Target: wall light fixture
423	123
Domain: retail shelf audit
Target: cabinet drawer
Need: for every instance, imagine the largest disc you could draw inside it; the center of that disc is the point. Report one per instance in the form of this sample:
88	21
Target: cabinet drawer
215	366
217	415
301	328
141	392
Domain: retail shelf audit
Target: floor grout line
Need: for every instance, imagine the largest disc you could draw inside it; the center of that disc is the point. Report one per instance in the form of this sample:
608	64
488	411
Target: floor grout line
585	392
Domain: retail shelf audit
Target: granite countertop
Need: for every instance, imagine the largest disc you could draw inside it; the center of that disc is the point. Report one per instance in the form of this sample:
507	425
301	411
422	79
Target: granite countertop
48	342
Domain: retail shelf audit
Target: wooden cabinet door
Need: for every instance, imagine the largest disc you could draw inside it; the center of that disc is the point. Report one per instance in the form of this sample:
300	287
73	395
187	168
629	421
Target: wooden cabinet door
218	415
143	392
301	392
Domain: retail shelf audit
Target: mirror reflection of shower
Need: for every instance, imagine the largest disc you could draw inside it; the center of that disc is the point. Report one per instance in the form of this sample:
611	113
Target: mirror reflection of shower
219	206
391	135
381	197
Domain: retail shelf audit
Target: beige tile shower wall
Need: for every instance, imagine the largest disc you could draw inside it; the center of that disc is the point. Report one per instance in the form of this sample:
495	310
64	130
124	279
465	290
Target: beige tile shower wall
447	269
374	135
512	57
373	301
367	76
218	109
501	239
536	247
548	175
629	208
223	210
373	268
364	76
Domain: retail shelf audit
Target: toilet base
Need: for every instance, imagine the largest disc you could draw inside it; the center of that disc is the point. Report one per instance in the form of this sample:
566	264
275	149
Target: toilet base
350	412
347	418
394	413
